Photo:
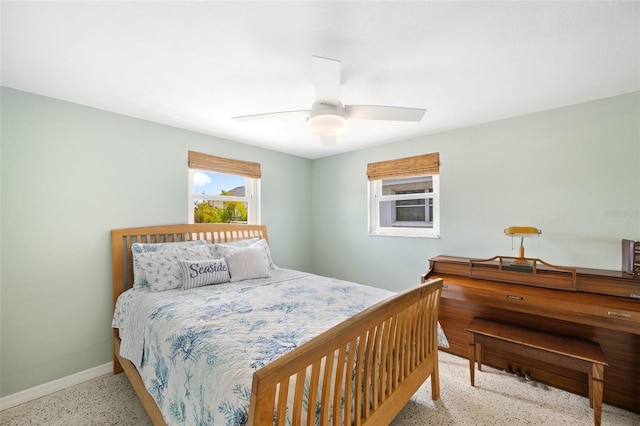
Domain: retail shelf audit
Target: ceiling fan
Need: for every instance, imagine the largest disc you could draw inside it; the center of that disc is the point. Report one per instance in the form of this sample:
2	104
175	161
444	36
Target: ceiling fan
327	116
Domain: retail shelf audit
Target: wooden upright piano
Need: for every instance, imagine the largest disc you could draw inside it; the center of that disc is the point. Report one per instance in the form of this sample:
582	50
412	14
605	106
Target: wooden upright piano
592	304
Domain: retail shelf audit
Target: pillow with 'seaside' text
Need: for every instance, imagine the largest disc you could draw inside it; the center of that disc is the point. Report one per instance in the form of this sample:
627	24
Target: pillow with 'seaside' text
198	273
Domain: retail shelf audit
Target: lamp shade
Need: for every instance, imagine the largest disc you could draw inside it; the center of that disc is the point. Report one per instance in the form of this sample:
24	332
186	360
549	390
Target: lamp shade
522	231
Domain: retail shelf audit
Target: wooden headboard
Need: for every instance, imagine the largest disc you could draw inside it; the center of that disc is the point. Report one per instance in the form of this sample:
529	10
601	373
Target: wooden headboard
121	240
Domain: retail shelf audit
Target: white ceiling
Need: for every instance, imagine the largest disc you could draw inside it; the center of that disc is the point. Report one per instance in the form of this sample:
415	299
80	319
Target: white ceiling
194	65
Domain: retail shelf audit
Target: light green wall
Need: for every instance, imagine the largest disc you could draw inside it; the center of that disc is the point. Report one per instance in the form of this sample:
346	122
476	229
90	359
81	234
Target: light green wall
70	174
574	172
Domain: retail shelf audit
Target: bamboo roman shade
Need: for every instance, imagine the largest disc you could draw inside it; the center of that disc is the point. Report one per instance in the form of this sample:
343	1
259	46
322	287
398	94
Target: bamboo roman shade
420	165
198	160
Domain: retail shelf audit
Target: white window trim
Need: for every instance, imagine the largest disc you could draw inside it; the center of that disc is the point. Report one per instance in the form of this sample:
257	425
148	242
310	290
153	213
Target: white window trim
252	198
376	197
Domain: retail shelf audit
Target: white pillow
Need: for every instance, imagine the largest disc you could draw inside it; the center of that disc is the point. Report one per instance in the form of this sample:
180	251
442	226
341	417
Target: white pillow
162	268
198	273
247	263
264	246
220	250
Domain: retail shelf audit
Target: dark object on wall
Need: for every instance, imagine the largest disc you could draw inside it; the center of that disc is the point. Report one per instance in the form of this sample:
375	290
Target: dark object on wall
631	256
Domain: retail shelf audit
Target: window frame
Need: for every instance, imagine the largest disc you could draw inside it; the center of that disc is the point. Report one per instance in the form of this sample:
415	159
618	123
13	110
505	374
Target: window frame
417	167
249	171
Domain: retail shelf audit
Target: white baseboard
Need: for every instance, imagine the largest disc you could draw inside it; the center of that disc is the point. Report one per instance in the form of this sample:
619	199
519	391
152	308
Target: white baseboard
54	386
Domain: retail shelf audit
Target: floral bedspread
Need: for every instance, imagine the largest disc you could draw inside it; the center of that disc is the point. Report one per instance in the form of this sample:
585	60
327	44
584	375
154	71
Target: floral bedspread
196	350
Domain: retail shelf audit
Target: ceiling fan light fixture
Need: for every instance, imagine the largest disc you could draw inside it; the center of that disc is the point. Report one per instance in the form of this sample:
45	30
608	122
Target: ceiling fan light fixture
327	124
328	116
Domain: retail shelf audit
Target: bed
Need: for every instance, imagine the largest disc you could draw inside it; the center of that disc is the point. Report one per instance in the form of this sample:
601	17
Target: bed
361	369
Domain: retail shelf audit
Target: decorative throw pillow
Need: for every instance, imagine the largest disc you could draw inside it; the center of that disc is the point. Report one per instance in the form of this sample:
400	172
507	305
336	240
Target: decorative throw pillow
162	268
220	250
247	263
139	277
264	246
198	273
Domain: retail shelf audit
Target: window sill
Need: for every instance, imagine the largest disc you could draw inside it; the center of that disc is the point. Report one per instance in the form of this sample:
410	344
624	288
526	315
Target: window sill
380	234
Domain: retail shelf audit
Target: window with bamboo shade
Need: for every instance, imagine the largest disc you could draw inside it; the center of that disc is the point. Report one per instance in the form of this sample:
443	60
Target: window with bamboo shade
404	196
223	190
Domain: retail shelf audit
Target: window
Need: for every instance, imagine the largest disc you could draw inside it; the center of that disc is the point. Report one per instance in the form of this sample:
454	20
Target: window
223	190
404	197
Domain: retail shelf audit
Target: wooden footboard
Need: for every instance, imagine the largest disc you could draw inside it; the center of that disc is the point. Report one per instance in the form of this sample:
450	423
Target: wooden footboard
381	355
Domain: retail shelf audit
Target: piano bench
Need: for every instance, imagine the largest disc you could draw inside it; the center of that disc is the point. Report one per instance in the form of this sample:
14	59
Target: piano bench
576	354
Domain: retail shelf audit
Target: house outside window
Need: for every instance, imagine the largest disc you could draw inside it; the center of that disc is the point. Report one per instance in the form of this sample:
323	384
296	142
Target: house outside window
223	190
404	197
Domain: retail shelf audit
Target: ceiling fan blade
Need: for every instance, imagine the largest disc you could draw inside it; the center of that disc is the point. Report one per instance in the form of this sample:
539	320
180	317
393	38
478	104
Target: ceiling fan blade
328	140
281	114
326	80
378	112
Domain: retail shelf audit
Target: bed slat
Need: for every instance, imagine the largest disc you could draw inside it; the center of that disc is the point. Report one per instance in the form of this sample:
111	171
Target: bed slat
282	404
313	390
349	407
337	383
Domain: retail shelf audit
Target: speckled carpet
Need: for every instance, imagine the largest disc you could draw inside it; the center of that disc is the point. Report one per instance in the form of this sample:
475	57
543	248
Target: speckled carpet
498	399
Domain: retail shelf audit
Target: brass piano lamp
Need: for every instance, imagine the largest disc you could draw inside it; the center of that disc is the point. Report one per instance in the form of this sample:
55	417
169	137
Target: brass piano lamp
522	232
